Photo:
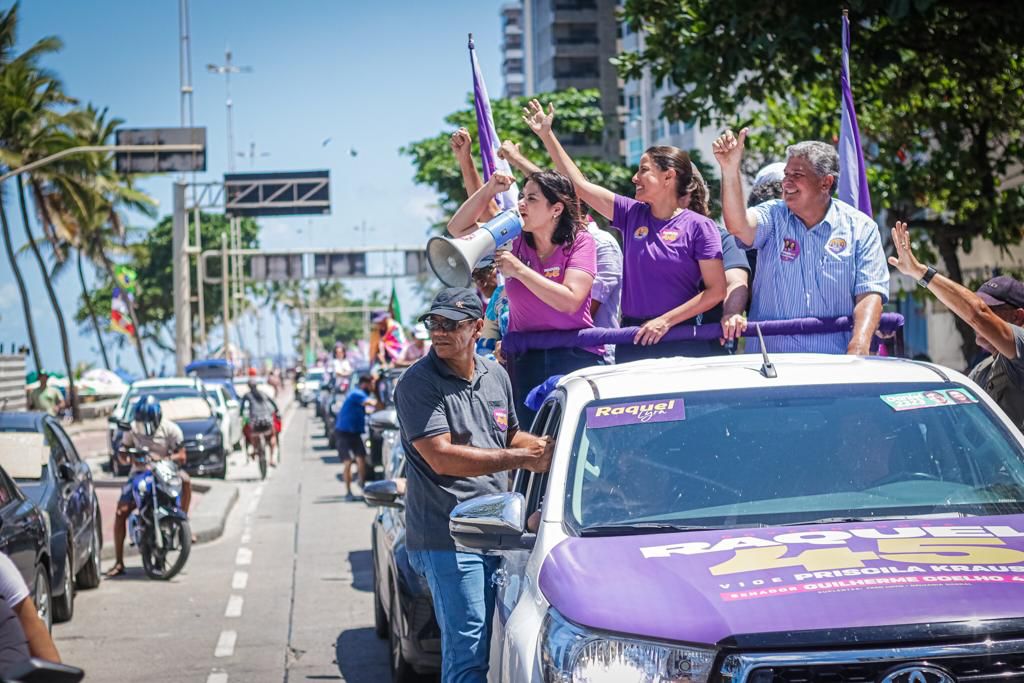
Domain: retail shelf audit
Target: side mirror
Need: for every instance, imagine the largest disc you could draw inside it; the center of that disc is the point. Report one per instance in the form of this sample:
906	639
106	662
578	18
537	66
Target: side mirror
66	471
493	522
40	671
383	493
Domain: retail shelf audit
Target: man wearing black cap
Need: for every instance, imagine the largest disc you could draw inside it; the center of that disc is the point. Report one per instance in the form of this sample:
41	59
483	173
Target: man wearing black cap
461	437
995	312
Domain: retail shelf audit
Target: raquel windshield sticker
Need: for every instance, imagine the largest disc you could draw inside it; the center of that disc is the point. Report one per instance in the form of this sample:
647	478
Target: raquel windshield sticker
636	412
916	400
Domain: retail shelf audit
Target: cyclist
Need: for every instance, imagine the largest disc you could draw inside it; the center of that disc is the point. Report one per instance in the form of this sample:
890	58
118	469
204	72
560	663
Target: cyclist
259	411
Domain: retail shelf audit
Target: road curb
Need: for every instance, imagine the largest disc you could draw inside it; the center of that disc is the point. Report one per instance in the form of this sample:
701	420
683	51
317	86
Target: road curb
208	525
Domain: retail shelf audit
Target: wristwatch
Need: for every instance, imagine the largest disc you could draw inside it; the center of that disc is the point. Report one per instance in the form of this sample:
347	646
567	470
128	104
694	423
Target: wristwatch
927	277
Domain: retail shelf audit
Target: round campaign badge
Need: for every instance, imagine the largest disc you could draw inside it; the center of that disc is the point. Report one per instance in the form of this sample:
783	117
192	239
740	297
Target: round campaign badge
668	234
501	418
836	245
790	250
640	233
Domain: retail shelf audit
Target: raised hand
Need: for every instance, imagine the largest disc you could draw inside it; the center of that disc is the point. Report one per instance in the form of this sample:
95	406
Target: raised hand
905	261
728	149
500	182
509	150
536	119
461	143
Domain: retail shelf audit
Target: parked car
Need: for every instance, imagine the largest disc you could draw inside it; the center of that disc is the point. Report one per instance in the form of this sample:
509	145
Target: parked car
382	424
334	398
229	414
403	608
214	371
50	473
707	519
183	400
24	528
308	386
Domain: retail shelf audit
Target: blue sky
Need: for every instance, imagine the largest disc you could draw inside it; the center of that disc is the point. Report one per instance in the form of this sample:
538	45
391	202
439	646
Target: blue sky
370	76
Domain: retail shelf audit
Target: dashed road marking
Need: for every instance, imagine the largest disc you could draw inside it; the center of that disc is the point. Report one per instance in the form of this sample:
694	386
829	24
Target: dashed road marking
226	644
239	581
234	608
244	556
217	677
246	536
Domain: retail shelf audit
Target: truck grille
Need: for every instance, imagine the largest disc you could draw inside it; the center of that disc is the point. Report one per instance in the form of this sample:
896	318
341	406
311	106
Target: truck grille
971	669
986	662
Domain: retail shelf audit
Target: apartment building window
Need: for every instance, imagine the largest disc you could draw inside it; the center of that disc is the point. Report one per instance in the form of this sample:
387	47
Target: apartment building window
578	67
635	151
573	4
576	34
674	128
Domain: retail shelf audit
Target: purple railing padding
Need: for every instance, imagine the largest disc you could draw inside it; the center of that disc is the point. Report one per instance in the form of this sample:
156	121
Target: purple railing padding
518	342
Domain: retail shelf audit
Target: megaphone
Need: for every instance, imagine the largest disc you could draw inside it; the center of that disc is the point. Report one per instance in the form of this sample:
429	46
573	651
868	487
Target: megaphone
453	260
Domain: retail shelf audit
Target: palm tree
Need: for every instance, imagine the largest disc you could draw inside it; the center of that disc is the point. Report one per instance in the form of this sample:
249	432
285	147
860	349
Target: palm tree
81	204
32	96
8	123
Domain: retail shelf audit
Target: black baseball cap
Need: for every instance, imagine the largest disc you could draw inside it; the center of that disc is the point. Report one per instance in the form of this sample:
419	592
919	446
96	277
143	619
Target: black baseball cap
1002	291
455	303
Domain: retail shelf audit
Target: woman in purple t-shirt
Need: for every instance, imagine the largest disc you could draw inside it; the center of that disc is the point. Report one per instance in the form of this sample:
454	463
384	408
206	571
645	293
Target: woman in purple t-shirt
549	272
667	251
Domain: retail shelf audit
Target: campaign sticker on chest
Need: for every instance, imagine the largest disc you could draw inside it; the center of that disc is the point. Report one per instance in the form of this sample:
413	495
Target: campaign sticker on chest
553	272
640	233
669	234
790	249
915	400
636	412
500	418
837	244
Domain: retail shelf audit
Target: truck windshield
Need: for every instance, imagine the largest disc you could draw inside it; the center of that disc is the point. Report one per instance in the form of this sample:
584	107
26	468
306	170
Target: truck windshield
738	458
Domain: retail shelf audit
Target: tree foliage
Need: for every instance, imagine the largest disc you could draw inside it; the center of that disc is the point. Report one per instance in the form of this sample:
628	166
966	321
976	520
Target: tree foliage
938	85
579	121
151	256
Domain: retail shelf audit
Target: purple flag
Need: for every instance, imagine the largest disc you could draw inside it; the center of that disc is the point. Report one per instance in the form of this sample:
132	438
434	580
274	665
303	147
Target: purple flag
488	137
853	182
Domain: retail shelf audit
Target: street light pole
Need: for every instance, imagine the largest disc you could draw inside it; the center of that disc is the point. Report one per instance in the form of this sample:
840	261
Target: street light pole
226	69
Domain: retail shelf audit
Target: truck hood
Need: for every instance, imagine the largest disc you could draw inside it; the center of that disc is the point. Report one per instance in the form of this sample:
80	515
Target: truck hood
706	586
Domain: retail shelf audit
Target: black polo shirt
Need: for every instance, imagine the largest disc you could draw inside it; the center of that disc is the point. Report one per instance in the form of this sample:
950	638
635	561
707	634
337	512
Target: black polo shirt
432	400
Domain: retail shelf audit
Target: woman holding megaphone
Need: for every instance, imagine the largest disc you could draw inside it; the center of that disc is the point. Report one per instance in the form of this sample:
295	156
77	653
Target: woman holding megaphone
549	271
672	257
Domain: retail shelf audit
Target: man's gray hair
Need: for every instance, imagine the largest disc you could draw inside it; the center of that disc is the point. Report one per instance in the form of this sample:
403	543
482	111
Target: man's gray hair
822	156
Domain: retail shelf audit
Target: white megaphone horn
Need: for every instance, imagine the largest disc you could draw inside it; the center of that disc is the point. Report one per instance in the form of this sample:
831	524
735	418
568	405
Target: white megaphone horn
453	260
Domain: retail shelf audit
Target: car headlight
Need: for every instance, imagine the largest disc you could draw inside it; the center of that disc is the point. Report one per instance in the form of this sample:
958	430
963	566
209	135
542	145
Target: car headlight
573	654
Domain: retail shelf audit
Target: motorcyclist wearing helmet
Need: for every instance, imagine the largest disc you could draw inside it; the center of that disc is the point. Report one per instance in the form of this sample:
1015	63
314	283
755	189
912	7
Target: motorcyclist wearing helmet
163	439
257	407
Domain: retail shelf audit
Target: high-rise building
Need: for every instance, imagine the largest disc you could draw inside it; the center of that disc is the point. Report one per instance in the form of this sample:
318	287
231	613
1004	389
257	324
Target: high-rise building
569	44
514	58
645	125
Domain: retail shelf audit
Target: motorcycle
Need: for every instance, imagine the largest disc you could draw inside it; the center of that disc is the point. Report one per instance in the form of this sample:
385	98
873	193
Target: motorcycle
158	526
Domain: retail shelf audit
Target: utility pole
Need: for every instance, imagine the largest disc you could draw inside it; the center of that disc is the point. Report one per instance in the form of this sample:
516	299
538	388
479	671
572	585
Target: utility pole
226	69
224	292
180	268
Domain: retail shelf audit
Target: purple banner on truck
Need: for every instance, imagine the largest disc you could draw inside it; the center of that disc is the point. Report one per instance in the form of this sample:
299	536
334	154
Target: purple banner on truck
705	586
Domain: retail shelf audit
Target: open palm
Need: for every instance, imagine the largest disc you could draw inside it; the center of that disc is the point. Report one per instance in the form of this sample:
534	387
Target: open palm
536	119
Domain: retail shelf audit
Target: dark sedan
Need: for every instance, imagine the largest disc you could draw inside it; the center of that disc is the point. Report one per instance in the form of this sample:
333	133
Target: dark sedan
403	609
24	528
60	485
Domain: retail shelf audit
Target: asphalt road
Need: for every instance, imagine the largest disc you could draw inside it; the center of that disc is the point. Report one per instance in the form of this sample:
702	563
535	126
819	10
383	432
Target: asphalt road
284	595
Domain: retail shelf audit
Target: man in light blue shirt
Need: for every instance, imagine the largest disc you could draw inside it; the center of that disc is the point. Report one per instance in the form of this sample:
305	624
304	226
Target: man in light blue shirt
817	256
606	292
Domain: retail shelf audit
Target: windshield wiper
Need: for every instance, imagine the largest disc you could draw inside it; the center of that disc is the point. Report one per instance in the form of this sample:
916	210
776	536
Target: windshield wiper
636	528
877	518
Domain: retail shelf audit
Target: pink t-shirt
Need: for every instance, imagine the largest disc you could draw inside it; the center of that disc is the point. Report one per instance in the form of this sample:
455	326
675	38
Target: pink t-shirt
527	313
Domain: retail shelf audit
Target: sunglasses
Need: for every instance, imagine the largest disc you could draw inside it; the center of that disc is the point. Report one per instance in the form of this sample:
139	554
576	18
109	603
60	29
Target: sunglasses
435	324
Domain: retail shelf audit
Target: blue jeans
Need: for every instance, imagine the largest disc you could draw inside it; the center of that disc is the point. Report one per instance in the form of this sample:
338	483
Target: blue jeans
463	592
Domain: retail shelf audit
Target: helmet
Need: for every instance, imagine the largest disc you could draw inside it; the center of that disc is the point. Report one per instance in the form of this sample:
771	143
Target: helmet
148	414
